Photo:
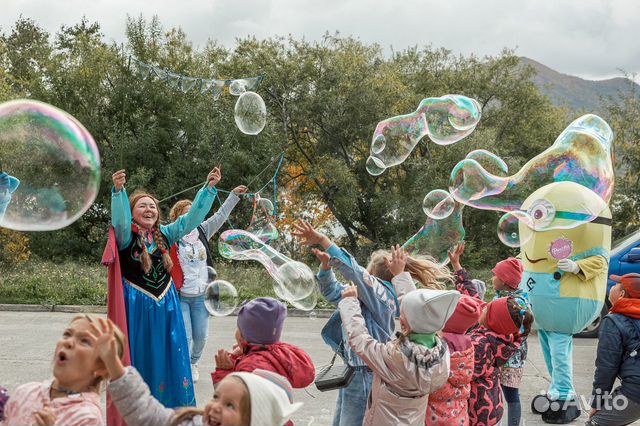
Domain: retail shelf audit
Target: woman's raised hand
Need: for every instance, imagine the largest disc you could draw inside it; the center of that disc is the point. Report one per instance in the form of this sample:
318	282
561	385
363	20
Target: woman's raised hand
119	179
240	189
214	177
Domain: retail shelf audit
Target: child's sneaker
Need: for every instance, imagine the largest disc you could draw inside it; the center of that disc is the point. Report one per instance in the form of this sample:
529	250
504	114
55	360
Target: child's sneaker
195	374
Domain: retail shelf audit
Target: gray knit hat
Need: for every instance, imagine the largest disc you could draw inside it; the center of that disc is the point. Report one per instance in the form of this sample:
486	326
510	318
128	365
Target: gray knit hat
427	311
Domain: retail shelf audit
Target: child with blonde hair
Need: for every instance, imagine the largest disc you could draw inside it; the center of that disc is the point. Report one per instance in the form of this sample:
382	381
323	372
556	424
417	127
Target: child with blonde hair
72	397
377	286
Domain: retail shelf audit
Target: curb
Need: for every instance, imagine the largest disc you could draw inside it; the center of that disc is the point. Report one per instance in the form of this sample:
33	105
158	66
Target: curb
98	309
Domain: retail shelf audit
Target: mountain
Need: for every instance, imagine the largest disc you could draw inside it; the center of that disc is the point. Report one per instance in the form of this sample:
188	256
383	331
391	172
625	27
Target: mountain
575	92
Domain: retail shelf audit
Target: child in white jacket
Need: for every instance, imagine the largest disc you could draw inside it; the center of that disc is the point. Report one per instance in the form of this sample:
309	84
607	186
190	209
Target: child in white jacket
258	398
407	369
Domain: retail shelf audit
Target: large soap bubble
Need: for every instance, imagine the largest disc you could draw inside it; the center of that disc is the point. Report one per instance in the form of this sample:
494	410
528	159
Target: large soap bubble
262	225
293	280
250	113
445	120
220	298
581	154
437	237
54	159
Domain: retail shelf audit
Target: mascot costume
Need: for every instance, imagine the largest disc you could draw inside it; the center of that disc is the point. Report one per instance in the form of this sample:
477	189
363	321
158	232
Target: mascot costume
564	239
565	253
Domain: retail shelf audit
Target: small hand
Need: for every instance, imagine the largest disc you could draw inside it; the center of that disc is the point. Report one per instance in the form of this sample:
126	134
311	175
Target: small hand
240	189
214	177
454	255
45	417
308	234
119	179
568	265
223	360
351	291
105	344
323	257
398	260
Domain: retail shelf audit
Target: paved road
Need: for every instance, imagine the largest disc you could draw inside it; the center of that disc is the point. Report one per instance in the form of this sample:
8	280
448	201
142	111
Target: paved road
27	341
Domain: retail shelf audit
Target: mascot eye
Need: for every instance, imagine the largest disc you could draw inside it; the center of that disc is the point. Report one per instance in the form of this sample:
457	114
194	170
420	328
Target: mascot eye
542	212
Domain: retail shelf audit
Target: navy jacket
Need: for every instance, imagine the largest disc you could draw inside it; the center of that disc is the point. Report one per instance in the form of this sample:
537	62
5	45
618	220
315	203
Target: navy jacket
619	337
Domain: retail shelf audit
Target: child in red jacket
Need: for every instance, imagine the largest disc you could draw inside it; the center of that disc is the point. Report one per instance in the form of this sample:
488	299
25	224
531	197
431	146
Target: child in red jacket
449	405
503	325
260	325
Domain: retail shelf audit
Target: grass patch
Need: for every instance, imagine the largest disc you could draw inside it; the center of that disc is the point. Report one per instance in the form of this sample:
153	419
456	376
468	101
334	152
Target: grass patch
41	282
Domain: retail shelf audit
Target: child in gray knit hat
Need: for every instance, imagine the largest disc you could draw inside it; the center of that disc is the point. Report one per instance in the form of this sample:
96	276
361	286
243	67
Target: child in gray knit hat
407	369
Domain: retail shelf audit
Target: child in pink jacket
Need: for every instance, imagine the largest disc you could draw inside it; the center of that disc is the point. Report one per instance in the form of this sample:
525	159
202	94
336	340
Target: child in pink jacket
72	397
503	325
449	406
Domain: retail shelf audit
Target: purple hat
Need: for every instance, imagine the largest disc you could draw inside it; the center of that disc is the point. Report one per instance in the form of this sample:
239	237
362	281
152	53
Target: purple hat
260	320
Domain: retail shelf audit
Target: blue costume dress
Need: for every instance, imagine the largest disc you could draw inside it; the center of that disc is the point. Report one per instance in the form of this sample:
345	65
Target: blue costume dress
157	336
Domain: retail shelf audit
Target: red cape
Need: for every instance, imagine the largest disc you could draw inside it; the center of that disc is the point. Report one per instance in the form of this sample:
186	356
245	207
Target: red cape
116	312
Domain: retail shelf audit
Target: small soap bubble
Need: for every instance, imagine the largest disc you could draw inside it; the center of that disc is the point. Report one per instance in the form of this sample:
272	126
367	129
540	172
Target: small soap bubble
508	226
220	298
438	204
250	113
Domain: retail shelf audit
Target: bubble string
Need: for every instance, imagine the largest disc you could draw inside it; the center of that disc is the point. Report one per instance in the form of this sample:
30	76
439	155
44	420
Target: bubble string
248	194
581	154
445	120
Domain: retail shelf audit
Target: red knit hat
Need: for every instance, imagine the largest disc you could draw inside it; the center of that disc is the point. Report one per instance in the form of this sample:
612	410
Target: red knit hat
509	271
465	316
498	318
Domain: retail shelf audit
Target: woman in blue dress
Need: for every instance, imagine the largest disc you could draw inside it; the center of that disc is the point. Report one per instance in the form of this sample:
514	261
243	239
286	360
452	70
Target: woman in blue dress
157	336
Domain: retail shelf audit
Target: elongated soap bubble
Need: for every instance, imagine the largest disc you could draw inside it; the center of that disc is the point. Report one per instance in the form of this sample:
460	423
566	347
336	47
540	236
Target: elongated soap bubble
445	120
292	280
581	154
250	113
437	237
220	298
262	225
54	159
438	204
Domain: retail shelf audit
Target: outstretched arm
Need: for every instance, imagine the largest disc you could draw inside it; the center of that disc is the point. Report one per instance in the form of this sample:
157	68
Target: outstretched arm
215	222
196	215
120	209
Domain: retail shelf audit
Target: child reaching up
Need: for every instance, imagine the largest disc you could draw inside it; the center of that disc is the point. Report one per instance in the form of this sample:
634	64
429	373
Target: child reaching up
73	396
449	405
260	324
245	399
504	323
407	369
378	302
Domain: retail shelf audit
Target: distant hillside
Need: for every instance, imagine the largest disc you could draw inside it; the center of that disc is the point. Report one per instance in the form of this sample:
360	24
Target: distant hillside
574	92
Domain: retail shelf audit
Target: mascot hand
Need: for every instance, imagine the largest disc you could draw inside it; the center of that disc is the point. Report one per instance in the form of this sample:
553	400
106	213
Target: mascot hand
567	265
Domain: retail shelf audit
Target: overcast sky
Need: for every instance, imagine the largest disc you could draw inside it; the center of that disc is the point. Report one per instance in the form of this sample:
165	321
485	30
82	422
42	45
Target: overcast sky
588	38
